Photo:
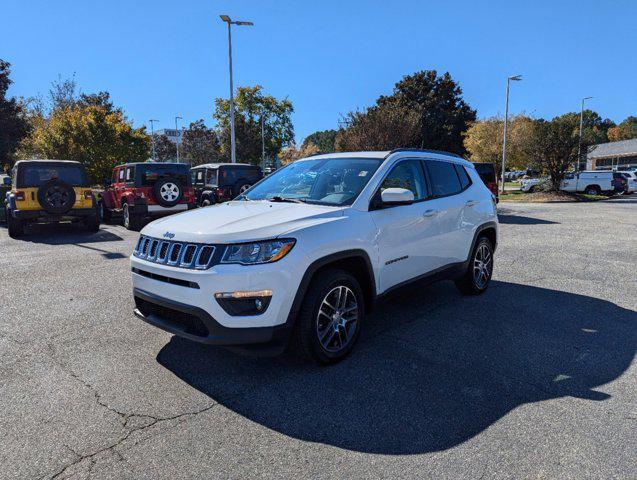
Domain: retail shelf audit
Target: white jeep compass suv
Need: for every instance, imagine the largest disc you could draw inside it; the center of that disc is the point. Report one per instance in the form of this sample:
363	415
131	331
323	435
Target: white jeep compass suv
303	255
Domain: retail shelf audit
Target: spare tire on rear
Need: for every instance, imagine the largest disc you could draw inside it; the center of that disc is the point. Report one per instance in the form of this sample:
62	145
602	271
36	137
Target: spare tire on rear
168	192
56	197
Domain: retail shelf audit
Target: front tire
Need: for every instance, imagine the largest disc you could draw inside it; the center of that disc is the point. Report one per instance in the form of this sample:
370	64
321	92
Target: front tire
592	191
330	318
104	213
130	220
476	279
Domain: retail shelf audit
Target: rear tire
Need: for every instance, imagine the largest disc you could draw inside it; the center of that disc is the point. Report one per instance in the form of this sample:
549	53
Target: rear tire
91	224
592	190
206	203
330	319
476	279
15	226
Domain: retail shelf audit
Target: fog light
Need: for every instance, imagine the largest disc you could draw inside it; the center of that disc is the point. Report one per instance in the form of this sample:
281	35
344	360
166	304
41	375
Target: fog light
244	303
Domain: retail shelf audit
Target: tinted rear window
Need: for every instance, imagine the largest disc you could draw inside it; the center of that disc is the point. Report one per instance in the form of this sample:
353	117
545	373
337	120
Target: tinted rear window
35	175
443	177
149	174
465	181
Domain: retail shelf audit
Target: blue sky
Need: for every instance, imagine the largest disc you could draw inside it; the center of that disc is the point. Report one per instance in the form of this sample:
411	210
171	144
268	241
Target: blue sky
159	59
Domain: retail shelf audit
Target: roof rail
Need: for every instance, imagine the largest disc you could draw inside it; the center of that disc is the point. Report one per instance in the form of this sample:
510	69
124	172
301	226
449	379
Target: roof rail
423	150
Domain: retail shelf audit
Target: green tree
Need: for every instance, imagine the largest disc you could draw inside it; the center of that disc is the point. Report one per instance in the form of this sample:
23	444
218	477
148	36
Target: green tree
89	130
165	150
437	100
553	148
14	125
324	140
251	106
200	144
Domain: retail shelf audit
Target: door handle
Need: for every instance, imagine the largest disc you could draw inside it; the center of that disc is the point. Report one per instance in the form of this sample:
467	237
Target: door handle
429	213
471	203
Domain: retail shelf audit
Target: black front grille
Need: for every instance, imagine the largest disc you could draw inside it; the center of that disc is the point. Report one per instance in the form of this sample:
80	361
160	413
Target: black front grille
177	254
190	323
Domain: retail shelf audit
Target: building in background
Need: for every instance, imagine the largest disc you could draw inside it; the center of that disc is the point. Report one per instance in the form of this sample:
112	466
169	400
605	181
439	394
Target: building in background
173	134
612	156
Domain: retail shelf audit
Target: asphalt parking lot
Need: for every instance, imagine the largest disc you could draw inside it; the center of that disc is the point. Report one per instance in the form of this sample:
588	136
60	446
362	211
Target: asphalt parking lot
535	379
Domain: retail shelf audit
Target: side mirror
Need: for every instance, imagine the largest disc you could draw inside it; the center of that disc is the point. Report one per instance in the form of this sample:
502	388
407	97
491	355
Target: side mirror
107	182
6	181
397	196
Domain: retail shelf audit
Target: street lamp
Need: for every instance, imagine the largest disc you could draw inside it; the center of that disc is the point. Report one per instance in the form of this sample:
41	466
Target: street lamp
581	128
263	138
178	137
515	78
233	144
152	137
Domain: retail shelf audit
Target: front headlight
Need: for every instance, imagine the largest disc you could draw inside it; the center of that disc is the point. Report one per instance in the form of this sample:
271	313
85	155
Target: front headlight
258	252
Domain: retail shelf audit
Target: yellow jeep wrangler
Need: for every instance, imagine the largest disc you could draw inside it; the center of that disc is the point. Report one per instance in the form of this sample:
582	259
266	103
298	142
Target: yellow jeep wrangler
50	191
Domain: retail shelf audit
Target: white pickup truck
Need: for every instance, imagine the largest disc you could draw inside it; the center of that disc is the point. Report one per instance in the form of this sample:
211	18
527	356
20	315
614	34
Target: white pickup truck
589	182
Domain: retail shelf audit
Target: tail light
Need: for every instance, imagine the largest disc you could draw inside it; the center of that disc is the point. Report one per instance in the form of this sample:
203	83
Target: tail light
19	196
221	193
493	186
88	194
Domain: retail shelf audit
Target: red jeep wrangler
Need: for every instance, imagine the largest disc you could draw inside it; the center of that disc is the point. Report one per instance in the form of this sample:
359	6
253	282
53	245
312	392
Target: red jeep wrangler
141	191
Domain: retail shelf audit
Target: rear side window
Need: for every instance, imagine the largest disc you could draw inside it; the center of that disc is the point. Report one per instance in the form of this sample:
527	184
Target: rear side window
465	181
121	175
130	174
443	178
407	174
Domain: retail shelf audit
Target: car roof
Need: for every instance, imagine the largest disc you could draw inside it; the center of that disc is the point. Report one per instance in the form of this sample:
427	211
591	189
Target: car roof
382	155
47	162
151	163
217	165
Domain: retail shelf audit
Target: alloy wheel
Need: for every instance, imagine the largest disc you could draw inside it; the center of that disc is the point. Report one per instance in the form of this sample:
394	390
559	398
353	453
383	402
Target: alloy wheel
482	266
169	191
337	319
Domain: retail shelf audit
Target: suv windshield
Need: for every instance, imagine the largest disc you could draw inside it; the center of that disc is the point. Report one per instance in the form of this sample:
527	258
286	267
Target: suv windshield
37	174
149	174
328	181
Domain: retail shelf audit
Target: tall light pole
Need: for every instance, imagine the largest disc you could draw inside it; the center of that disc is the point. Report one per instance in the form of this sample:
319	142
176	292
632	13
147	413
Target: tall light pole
233	145
581	129
152	137
263	139
515	78
178	136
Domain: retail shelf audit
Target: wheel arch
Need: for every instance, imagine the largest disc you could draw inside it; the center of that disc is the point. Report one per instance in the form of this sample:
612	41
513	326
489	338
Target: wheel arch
355	262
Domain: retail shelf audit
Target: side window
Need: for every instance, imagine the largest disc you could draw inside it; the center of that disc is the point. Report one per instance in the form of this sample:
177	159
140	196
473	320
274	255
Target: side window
465	181
130	174
443	178
407	174
121	175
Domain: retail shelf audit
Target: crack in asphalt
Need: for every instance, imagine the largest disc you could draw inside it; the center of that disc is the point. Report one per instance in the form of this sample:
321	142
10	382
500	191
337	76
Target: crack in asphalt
124	418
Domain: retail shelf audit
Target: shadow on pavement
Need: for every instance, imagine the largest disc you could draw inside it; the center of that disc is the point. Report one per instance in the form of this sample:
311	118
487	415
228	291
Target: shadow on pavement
519	220
66	234
430	370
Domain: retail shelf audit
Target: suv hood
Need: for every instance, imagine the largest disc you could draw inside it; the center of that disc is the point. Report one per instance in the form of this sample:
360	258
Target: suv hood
241	221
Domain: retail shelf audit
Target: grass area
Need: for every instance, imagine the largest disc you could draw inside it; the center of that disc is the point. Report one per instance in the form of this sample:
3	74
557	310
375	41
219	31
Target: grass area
547	197
512	184
512	195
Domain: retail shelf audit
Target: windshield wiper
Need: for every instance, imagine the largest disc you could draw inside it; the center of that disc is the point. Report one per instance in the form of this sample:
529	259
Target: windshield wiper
277	198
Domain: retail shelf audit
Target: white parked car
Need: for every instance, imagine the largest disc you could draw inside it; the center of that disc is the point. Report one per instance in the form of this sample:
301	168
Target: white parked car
631	180
304	254
533	184
593	182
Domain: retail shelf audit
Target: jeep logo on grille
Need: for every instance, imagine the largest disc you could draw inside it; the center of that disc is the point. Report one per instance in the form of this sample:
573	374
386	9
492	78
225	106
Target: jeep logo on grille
169	235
